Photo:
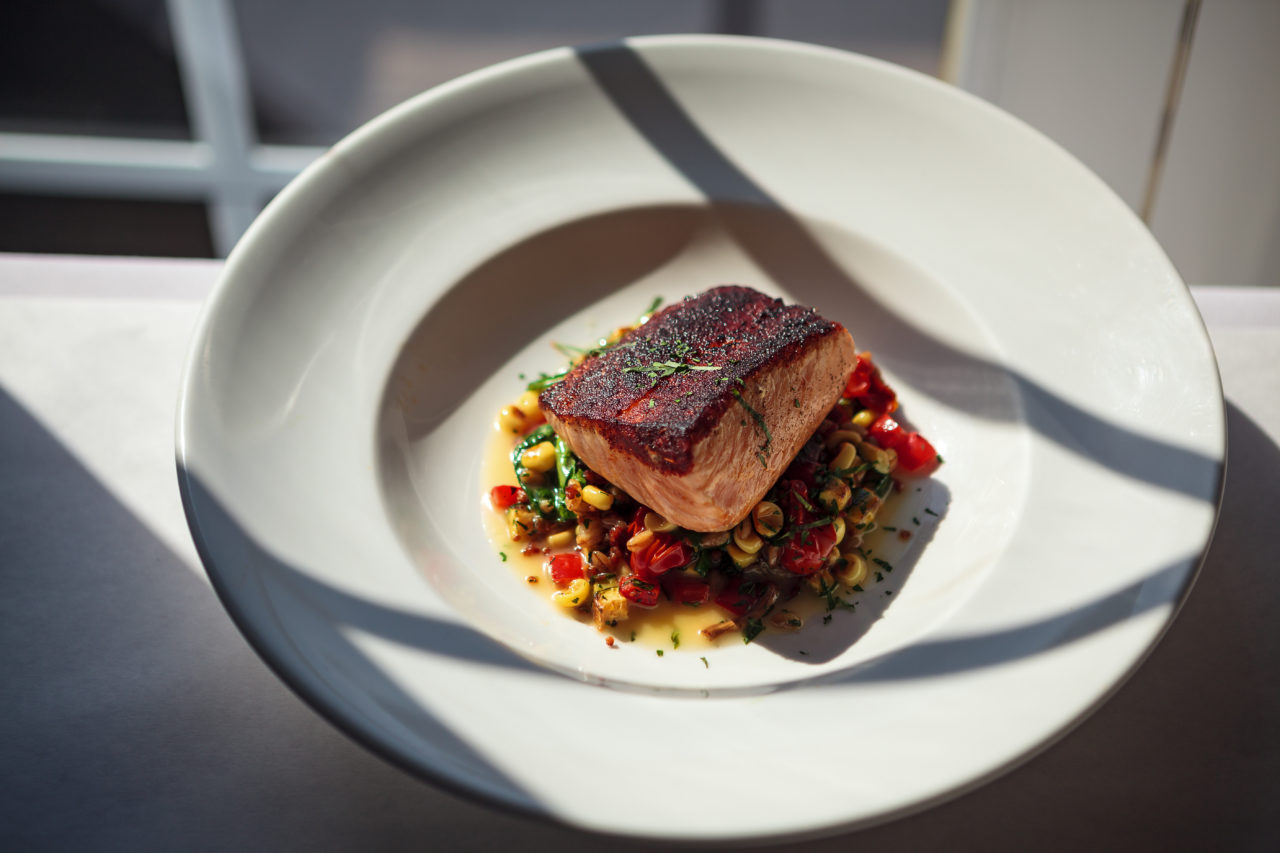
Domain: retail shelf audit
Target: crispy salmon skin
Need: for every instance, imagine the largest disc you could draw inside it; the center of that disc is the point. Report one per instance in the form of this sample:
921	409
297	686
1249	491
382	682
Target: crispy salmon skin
697	412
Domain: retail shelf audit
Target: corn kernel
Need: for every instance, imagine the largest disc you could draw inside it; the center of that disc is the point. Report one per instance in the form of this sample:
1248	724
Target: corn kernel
835	496
854	570
881	459
864	418
560	539
746	538
598	498
740	558
834	439
511	420
846	455
655	522
577	593
767	517
527	405
540	457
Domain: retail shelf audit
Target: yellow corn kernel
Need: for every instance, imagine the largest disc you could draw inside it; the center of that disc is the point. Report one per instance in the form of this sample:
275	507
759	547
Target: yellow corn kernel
767	518
864	418
640	541
846	455
527	405
746	538
740	558
540	457
840	528
560	539
835	496
512	420
658	524
598	498
835	438
854	570
576	594
881	459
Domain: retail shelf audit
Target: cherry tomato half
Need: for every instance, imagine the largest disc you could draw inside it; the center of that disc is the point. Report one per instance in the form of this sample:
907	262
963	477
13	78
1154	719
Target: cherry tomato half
638	591
567	567
505	496
806	553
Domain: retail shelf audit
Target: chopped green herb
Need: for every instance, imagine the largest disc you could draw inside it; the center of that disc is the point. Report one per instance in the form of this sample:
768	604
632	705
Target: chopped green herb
662	369
803	652
659	652
884	564
768	436
652	402
704	662
916	520
675	639
502	555
940	459
546	380
890	529
826	620
888	592
653	306
931	512
879	577
795	402
633	636
752	630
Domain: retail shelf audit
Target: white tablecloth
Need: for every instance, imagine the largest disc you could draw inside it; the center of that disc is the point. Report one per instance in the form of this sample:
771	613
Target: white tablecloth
135	717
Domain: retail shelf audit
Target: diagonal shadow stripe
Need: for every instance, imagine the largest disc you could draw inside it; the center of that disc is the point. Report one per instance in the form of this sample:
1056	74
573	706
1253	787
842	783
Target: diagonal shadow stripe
781	245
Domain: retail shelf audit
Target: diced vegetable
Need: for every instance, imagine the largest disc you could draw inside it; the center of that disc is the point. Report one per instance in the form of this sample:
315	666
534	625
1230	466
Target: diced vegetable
567	567
504	496
638	591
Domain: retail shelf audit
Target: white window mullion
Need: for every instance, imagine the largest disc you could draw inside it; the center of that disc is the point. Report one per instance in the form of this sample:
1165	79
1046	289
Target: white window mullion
220	112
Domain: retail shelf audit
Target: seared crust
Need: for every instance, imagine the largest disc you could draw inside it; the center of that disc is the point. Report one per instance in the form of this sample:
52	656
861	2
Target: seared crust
659	419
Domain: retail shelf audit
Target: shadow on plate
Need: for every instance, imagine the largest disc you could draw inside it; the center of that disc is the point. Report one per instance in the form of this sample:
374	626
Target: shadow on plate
781	245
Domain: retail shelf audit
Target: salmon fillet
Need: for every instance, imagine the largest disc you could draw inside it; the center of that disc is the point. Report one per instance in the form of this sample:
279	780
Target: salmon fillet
698	411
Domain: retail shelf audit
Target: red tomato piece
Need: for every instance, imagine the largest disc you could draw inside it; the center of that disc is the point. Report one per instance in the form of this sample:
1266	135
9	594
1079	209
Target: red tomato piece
806	553
683	589
505	496
666	552
868	389
860	380
638	591
887	432
916	454
567	567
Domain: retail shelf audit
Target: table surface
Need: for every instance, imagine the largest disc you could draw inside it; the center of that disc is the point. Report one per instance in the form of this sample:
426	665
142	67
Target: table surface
137	718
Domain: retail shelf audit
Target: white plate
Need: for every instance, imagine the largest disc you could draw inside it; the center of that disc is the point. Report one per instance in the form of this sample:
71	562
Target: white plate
345	376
